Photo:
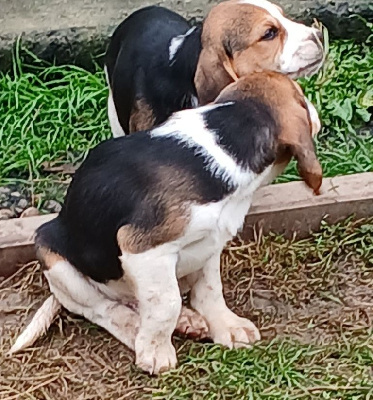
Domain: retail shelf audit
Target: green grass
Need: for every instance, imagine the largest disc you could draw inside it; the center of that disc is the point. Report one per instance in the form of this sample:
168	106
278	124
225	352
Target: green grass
310	298
50	113
320	344
281	369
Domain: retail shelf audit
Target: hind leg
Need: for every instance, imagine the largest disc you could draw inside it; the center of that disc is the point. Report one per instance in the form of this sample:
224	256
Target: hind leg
80	296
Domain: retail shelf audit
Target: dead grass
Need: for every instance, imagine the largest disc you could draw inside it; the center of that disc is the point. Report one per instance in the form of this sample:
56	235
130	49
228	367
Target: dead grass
75	360
284	285
313	300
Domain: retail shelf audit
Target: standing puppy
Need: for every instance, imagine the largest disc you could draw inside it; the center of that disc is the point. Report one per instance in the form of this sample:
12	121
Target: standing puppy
150	213
156	64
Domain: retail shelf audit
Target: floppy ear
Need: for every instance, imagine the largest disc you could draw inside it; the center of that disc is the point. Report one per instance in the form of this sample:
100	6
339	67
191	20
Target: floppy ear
309	168
297	136
211	76
313	115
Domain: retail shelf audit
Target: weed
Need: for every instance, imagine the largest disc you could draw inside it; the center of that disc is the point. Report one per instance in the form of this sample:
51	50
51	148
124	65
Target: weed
56	114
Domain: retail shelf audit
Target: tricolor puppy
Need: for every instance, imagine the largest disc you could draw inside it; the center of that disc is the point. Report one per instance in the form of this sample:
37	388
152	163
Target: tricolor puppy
157	64
147	216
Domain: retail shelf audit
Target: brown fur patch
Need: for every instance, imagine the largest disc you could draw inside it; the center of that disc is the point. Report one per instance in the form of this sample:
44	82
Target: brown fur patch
303	102
315	127
142	117
296	132
174	194
47	257
297	129
136	240
232	46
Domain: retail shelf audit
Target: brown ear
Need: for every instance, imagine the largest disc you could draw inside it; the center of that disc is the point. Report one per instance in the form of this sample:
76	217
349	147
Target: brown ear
308	165
212	76
297	136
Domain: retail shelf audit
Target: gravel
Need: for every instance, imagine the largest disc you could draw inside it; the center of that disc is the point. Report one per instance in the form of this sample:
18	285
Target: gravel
16	201
52	206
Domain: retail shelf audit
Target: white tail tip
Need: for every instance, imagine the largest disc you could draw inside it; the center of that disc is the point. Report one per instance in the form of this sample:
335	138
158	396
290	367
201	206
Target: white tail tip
39	324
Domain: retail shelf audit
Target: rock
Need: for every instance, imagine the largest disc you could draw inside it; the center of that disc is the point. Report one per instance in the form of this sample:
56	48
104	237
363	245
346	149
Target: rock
15	194
23	203
52	206
4	190
6	213
30	212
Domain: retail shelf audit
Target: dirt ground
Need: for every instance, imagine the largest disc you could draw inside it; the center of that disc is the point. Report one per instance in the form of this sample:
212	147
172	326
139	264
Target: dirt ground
314	291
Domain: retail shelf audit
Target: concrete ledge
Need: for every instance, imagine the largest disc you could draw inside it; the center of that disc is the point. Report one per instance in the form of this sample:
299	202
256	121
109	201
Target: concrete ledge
73	30
286	208
291	207
17	242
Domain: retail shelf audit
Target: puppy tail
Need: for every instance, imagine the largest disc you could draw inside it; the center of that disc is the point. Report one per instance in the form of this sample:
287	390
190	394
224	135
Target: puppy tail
39	324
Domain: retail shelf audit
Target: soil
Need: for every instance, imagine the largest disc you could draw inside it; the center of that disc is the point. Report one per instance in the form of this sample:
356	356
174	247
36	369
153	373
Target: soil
316	293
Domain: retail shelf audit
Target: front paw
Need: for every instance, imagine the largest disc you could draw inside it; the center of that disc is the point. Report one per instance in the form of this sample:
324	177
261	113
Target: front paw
156	358
234	334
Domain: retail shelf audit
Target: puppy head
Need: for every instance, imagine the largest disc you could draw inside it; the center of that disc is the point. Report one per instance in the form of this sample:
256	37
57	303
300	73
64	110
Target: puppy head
244	36
295	126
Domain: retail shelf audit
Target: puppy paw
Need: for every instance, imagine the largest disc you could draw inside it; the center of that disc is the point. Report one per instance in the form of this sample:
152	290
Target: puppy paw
239	333
156	358
192	324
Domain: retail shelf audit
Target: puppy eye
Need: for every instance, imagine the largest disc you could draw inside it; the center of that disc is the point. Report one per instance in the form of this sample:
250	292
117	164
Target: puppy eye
270	34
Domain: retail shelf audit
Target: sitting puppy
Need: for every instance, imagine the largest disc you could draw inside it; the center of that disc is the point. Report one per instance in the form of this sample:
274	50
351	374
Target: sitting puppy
156	64
147	216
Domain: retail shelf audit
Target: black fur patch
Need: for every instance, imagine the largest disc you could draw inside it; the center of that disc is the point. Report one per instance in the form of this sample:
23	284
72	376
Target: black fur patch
110	190
248	130
139	68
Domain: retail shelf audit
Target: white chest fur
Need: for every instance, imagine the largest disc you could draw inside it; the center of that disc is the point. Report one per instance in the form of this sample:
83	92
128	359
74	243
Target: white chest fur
213	224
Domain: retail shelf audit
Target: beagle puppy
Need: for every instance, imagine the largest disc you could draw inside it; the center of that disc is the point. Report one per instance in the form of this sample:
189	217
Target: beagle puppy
157	64
147	216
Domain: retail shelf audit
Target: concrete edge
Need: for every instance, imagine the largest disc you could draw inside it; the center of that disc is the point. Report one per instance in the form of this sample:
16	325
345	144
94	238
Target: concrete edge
271	211
291	207
77	44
